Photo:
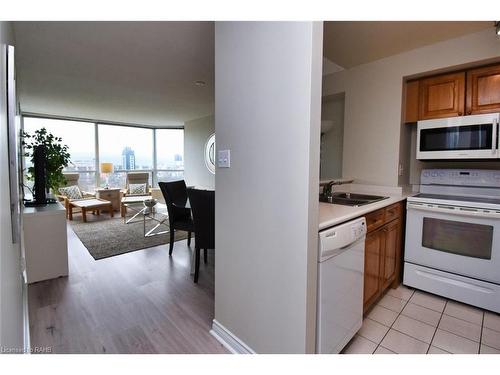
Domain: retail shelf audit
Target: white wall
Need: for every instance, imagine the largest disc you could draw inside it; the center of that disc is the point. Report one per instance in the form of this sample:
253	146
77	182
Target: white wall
196	133
11	312
373	95
332	109
267	112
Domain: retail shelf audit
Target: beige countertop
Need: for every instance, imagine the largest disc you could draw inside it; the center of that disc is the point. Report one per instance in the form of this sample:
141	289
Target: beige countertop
333	214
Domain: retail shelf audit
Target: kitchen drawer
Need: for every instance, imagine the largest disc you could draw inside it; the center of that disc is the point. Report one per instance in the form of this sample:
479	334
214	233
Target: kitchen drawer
375	219
392	212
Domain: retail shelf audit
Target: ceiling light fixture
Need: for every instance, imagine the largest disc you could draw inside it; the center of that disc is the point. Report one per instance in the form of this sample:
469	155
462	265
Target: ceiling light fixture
497	27
200	83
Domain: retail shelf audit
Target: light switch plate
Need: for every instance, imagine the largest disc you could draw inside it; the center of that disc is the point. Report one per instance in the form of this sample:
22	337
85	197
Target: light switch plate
224	158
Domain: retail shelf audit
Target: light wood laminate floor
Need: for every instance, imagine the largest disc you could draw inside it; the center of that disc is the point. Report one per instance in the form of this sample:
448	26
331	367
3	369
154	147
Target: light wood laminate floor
139	302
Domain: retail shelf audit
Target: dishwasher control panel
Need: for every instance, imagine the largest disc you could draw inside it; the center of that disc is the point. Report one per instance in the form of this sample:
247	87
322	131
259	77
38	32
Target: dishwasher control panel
358	230
341	236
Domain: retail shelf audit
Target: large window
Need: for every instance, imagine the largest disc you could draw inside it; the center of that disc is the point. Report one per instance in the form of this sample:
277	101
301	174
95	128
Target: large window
169	154
129	148
80	138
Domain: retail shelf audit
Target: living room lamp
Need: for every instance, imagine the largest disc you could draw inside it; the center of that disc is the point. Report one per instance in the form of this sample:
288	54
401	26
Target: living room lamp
107	168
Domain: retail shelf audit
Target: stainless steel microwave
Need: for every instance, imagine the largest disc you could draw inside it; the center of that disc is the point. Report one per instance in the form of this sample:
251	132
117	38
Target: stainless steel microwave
464	137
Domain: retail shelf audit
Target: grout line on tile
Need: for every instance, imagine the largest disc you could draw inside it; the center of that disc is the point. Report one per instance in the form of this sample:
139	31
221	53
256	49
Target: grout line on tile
418	320
414	338
481	335
458	334
439	321
463	320
406	303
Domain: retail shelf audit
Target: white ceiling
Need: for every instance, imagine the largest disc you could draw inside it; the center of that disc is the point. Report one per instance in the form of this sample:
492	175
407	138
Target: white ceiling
352	43
135	72
144	72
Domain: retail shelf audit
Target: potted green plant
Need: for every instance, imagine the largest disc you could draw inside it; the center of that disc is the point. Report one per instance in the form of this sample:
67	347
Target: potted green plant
57	154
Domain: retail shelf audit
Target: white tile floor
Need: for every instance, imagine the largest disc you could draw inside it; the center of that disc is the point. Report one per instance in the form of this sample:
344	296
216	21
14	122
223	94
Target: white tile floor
408	321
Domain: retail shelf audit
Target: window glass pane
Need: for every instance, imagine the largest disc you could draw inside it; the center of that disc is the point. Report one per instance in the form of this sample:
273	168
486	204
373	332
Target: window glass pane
128	148
170	150
166	176
458	237
79	136
86	182
80	139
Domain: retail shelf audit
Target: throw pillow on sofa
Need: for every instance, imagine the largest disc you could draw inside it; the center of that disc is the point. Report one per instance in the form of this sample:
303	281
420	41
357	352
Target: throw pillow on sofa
137	189
71	192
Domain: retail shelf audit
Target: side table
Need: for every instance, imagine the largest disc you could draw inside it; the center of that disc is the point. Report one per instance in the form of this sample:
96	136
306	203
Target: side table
112	194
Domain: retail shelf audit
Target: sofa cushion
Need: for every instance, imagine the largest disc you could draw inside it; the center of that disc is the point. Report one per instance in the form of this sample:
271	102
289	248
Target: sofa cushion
71	192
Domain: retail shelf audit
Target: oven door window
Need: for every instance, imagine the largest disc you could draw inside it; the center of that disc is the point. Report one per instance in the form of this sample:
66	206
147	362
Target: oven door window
458	237
456	138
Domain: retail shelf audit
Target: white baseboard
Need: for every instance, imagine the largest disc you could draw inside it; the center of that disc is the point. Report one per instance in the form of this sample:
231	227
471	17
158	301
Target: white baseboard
229	340
26	318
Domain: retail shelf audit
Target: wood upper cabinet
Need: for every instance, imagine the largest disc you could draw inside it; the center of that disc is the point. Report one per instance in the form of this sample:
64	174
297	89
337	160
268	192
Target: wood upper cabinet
483	90
470	92
442	96
411	101
374	244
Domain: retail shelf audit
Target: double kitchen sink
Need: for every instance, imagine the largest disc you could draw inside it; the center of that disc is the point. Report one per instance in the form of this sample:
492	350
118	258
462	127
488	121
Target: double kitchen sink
350	199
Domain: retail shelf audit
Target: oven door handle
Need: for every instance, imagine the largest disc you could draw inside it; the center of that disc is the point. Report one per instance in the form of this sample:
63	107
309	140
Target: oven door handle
461	211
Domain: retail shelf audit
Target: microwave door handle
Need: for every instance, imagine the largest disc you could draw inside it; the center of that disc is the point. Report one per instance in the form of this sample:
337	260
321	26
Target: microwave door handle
494	137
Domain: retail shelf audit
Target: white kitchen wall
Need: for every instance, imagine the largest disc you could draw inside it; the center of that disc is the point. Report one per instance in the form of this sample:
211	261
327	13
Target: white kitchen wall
11	307
196	134
267	112
375	140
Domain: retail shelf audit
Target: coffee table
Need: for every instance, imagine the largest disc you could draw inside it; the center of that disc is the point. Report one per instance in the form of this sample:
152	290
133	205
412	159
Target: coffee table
158	213
134	203
89	205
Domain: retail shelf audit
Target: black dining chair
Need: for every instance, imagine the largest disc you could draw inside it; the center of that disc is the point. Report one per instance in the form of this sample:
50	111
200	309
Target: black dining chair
203	208
179	216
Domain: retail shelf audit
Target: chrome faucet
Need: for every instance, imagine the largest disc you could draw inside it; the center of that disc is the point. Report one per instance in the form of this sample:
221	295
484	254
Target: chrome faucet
328	188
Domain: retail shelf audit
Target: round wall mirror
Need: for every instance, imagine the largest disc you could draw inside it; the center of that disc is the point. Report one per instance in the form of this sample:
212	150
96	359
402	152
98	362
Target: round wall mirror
210	153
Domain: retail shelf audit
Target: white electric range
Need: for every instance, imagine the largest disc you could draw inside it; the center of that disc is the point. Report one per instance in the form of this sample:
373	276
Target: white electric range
452	245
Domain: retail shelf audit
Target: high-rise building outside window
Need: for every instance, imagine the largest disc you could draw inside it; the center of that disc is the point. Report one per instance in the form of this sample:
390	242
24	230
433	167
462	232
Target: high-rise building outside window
128	159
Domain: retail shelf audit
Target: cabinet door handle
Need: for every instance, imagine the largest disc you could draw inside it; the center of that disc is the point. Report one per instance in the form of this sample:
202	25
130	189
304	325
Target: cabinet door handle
469	112
460	113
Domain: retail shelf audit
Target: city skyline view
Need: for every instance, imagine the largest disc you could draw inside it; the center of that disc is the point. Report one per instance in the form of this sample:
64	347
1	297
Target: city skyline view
113	140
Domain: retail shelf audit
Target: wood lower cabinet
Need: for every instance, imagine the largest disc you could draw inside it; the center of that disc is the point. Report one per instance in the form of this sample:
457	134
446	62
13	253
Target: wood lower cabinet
383	258
483	90
442	96
391	251
374	245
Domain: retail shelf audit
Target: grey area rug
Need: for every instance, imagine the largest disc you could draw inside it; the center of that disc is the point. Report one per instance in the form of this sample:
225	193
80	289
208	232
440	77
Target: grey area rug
106	237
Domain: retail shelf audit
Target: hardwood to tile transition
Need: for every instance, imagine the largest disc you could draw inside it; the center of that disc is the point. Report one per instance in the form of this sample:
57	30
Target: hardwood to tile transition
139	302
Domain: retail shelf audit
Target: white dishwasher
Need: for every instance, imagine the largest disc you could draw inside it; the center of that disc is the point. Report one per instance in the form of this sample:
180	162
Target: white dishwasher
340	285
